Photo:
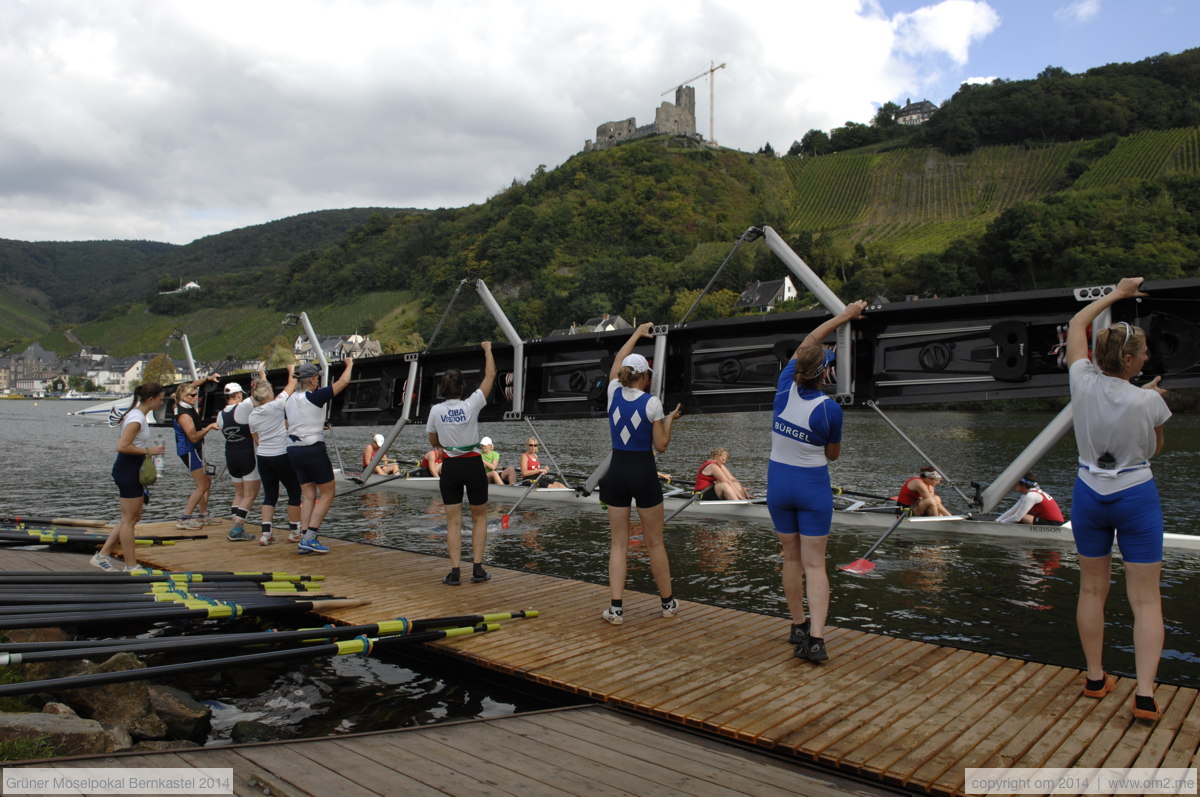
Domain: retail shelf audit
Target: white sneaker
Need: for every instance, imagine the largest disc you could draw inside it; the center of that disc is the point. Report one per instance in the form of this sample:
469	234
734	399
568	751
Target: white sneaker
613	615
671	608
266	539
105	563
189	524
295	536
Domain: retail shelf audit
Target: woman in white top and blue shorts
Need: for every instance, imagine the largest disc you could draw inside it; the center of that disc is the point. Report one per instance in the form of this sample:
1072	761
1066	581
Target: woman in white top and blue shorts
1118	428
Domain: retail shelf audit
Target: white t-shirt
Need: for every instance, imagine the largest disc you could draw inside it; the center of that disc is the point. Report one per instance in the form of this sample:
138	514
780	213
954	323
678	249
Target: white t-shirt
1115	417
456	422
142	438
269	422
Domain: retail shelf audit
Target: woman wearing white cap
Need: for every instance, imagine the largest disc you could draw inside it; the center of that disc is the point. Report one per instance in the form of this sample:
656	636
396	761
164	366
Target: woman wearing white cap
638	427
491	464
234	423
385	467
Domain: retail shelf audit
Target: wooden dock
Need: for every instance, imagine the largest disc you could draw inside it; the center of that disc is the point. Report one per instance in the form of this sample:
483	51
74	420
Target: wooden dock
586	751
906	714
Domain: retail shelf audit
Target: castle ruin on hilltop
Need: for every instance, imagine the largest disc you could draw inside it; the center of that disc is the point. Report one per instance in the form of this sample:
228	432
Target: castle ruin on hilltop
677	119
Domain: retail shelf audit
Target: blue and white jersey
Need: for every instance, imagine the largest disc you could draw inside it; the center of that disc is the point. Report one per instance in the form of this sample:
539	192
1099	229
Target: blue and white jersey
306	416
805	422
631	417
234	422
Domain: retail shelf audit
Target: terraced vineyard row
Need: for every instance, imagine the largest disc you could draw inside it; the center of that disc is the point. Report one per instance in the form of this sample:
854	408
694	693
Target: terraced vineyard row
1143	156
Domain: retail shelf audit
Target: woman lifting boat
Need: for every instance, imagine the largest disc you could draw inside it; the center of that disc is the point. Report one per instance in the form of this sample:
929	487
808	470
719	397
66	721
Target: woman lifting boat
268	427
1118	428
638	427
453	430
189	445
133	446
806	435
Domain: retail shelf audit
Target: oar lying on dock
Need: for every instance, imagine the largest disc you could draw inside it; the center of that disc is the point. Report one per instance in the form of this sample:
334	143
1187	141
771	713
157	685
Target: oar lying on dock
360	646
56	538
56	521
17	652
216	612
153	576
84	534
35	605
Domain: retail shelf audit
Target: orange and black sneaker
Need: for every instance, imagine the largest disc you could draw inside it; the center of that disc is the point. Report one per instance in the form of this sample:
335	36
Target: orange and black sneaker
1145	708
1100	687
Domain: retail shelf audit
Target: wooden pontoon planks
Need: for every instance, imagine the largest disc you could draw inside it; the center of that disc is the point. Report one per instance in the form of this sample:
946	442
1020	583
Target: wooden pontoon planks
905	712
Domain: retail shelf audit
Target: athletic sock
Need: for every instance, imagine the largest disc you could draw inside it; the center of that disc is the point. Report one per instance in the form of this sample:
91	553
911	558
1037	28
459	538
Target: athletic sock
1143	702
1095	686
667	601
617	603
293	525
311	533
241	514
266	529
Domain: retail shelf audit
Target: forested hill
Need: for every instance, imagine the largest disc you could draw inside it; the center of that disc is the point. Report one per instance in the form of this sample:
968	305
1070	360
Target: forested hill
74	281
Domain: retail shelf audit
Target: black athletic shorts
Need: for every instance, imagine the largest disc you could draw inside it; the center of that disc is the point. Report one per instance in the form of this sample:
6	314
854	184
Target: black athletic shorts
632	477
459	473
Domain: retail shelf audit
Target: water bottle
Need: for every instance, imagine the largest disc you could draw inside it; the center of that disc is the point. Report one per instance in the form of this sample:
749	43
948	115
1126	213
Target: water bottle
159	462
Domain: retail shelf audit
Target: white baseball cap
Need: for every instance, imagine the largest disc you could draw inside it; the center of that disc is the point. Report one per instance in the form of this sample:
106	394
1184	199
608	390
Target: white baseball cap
487	441
233	387
378	439
637	362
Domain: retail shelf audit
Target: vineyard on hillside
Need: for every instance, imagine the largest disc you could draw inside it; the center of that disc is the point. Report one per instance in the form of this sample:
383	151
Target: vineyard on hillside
919	200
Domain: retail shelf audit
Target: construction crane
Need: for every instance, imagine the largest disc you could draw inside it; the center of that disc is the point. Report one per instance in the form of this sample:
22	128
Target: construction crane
712	139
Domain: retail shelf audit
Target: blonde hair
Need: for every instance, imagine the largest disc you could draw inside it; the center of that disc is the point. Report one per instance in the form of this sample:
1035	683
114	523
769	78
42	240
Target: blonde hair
1113	343
810	366
717	452
627	377
262	393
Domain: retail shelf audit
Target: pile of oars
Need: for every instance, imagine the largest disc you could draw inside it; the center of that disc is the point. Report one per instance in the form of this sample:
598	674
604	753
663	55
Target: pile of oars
25	530
362	640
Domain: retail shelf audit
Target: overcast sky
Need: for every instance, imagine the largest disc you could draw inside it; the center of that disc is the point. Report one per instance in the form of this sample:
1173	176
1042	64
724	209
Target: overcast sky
170	120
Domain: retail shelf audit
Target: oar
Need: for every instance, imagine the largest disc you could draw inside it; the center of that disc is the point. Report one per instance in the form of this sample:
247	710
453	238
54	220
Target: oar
220	611
695	497
399	625
361	646
58	521
505	518
152	577
53	538
864	565
844	491
163	601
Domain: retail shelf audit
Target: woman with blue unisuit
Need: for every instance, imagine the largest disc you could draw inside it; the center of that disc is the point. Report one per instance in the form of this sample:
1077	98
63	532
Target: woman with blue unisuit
806	435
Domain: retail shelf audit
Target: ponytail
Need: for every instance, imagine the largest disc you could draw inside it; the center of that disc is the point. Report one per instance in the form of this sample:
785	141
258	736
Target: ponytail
1113	343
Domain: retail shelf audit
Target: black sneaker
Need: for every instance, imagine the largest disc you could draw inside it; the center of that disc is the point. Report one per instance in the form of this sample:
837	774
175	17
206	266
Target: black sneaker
799	634
451	578
813	650
479	574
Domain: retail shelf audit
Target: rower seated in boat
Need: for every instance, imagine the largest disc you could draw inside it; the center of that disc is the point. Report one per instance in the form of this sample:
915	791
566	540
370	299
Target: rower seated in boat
431	464
385	467
491	464
533	470
1034	507
716	482
919	494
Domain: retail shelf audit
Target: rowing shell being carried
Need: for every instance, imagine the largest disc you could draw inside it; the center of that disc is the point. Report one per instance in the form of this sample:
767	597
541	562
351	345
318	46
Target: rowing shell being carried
861	519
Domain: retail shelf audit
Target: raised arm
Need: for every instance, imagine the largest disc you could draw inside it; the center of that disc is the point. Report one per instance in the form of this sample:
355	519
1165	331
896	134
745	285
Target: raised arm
642	331
344	379
817	336
489	368
290	387
1077	338
661	431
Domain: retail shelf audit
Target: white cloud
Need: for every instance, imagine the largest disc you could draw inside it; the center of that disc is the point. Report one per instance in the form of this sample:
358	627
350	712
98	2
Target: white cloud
1078	12
169	119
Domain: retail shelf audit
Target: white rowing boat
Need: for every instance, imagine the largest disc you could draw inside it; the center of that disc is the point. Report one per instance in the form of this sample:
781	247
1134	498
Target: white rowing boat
857	519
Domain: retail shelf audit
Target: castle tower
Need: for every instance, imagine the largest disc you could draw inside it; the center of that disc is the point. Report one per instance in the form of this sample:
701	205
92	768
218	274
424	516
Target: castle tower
685	98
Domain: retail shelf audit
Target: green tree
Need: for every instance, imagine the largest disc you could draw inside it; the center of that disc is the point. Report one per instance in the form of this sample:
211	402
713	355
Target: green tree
815	142
160	369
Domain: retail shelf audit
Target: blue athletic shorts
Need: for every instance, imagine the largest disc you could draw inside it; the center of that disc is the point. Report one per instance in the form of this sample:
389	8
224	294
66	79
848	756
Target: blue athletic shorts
800	500
126	472
192	460
275	471
1134	515
632	477
311	463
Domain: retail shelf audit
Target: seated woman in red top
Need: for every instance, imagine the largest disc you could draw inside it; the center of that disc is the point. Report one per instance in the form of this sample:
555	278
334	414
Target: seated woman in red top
919	494
431	464
716	481
533	470
385	467
1034	506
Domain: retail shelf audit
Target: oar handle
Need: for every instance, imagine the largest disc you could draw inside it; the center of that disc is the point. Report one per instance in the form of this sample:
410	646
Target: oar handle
844	491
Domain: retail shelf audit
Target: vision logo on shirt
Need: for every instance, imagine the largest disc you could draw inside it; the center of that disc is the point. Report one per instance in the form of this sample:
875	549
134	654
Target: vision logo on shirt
455	416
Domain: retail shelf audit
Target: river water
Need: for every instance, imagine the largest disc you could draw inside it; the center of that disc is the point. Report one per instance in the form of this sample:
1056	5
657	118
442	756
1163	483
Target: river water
999	596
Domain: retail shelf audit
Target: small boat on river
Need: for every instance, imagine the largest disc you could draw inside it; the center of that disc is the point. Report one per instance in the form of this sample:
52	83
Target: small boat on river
855	517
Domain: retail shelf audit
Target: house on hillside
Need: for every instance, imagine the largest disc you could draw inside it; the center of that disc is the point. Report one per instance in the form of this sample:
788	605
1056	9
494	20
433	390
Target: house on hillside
915	113
183	288
601	323
336	347
763	296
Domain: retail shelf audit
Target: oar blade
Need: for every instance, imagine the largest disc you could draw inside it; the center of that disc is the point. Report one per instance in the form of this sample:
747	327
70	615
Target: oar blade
504	520
859	567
